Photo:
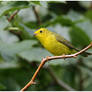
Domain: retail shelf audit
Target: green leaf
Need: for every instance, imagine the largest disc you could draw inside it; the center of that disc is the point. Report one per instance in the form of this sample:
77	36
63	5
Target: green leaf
34	2
61	20
34	54
11	6
88	14
8	37
2	87
26	32
40	3
78	37
9	51
57	2
86	26
27	15
89	87
44	4
16	47
13	85
4	23
85	4
74	16
9	65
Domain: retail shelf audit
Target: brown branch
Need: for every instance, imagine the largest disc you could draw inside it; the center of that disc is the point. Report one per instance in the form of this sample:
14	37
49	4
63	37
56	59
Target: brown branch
58	81
44	60
13	15
37	16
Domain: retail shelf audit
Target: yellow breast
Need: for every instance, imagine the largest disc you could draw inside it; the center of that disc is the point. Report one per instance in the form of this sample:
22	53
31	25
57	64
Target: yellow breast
55	47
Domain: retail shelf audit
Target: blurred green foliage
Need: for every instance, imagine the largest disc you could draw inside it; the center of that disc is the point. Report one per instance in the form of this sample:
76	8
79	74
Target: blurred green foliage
21	52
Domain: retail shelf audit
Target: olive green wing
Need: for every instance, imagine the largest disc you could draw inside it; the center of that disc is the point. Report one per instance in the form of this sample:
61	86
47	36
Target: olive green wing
64	41
68	44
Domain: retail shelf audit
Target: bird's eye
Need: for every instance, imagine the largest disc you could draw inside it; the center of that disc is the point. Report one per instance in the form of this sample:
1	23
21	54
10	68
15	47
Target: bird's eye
41	31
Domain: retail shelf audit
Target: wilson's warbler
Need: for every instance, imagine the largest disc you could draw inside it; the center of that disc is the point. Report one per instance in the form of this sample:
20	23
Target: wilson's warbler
55	43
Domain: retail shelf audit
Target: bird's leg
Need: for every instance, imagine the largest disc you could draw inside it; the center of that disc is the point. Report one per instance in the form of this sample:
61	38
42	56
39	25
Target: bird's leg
63	55
47	57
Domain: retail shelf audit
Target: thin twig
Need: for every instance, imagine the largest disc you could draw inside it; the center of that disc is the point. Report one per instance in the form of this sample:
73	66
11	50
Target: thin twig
13	15
44	60
37	16
58	81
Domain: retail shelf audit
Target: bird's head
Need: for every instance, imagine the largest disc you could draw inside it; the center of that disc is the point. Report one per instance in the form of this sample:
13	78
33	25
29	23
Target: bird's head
41	33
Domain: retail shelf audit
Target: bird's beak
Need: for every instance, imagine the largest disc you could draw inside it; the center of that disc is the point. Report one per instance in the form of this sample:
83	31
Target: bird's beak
35	34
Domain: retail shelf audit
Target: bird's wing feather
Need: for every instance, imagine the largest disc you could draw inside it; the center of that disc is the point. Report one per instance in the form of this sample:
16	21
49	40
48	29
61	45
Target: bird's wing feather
65	42
68	44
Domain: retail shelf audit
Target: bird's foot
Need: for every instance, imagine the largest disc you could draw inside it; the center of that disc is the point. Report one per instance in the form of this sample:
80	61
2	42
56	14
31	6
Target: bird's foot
63	56
47	57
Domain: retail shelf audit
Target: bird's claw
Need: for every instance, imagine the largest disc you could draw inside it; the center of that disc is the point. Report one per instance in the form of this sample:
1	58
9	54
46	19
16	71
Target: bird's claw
47	57
63	56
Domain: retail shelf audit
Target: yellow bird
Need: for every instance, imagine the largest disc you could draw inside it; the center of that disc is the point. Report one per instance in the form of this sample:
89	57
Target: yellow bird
55	43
